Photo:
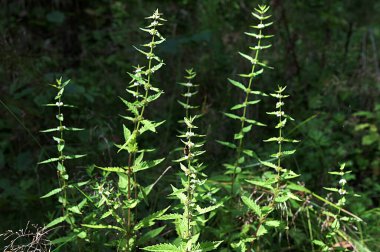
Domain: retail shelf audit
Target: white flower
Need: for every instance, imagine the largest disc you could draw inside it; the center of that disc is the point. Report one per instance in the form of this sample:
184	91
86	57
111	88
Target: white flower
279	104
342	191
279	113
59	104
189	134
342	181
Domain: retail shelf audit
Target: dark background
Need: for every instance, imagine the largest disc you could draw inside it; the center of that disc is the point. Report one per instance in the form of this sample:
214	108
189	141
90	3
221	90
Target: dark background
326	52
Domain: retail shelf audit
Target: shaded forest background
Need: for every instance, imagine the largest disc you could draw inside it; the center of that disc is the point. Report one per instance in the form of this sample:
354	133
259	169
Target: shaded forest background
326	52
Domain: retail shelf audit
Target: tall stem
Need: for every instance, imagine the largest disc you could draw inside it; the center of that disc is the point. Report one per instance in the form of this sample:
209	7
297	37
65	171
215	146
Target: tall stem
131	155
247	93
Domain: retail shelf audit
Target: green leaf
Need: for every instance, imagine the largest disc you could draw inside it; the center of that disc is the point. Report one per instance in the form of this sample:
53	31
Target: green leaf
250	153
249	58
74	156
149	220
209	246
164	247
237	84
64	239
207	209
72	129
232	116
131	107
264	184
319	243
150	235
247	128
228	144
75	209
252	205
52	192
56	221
104	227
260	17
255	122
50	160
170	217
149	125
262	230
272	223
147	164
296	187
112	169
331	189
239	106
154	97
127	133
269	164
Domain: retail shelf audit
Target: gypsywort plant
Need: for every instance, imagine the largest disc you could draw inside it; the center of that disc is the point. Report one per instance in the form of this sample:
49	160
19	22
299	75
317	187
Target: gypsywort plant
273	187
68	207
335	223
191	222
246	124
126	195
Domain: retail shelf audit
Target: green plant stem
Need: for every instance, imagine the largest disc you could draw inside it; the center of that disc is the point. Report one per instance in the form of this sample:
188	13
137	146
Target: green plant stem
240	145
310	228
189	193
131	156
279	145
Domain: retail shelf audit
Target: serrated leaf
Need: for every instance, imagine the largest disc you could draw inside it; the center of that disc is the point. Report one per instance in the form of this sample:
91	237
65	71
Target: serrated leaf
147	164
126	132
209	246
131	107
207	209
149	220
269	164
56	221
50	160
164	247
264	184
154	97
252	205
75	209
52	192
150	235
261	231
170	217
272	223
112	169
295	187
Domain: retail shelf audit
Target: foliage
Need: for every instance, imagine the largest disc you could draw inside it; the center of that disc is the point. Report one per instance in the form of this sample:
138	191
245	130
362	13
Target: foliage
258	197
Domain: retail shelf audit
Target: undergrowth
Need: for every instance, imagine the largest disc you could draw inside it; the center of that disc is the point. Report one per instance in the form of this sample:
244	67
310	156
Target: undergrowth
234	211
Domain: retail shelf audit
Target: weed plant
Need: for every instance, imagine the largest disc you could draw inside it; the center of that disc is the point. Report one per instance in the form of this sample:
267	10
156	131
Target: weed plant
233	211
68	206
